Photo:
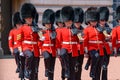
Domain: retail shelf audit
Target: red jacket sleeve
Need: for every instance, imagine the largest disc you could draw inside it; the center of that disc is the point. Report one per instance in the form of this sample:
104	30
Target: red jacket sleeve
58	38
11	39
114	37
86	37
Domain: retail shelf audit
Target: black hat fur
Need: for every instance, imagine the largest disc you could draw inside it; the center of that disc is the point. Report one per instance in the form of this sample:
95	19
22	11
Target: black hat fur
67	13
16	19
104	13
78	15
28	10
48	17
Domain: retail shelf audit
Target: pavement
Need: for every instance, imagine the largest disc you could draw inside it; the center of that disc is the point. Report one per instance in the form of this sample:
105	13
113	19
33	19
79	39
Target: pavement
8	67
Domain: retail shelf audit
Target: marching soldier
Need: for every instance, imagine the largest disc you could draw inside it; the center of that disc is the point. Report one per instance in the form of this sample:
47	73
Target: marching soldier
48	43
29	40
104	16
93	42
115	34
78	19
68	40
60	25
13	45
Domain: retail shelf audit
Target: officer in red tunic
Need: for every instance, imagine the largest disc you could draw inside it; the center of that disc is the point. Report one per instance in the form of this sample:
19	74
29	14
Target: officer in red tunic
60	25
115	34
14	35
29	39
78	19
93	42
48	43
68	40
104	16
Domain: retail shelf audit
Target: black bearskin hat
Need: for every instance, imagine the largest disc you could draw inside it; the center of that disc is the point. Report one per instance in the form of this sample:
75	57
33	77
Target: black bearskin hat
16	19
48	17
91	15
104	13
28	10
78	15
58	17
118	13
67	13
37	18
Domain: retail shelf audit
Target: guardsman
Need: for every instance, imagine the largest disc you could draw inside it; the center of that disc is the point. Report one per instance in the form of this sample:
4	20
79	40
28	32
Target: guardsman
68	40
29	39
60	25
115	34
48	43
104	16
93	42
78	19
14	35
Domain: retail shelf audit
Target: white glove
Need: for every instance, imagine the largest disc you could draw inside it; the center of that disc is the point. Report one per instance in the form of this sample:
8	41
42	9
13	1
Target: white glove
42	38
58	51
21	54
86	50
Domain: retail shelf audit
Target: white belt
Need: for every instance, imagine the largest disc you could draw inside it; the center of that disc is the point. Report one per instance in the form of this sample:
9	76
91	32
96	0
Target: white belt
30	42
48	44
15	42
69	42
95	42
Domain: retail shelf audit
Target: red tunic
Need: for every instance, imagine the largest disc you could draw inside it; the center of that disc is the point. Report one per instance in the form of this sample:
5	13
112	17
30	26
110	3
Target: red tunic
93	39
14	35
116	37
29	40
48	44
68	41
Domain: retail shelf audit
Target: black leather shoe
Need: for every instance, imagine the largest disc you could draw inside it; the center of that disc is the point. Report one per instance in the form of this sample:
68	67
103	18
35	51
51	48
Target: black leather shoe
22	79
27	74
17	70
46	73
86	67
92	75
67	74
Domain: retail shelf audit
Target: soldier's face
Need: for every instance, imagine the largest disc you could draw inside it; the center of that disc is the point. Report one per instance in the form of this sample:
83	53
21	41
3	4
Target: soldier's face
28	20
93	23
102	22
119	21
68	23
77	24
48	26
60	24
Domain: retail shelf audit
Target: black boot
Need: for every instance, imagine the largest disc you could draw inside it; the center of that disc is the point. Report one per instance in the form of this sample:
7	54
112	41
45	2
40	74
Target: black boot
65	60
17	70
28	65
22	67
47	66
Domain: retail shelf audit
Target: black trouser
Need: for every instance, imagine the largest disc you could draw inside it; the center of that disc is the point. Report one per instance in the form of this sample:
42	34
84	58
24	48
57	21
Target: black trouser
94	64
35	67
22	66
17	57
106	60
70	64
65	63
80	63
98	68
88	62
28	63
63	68
49	61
